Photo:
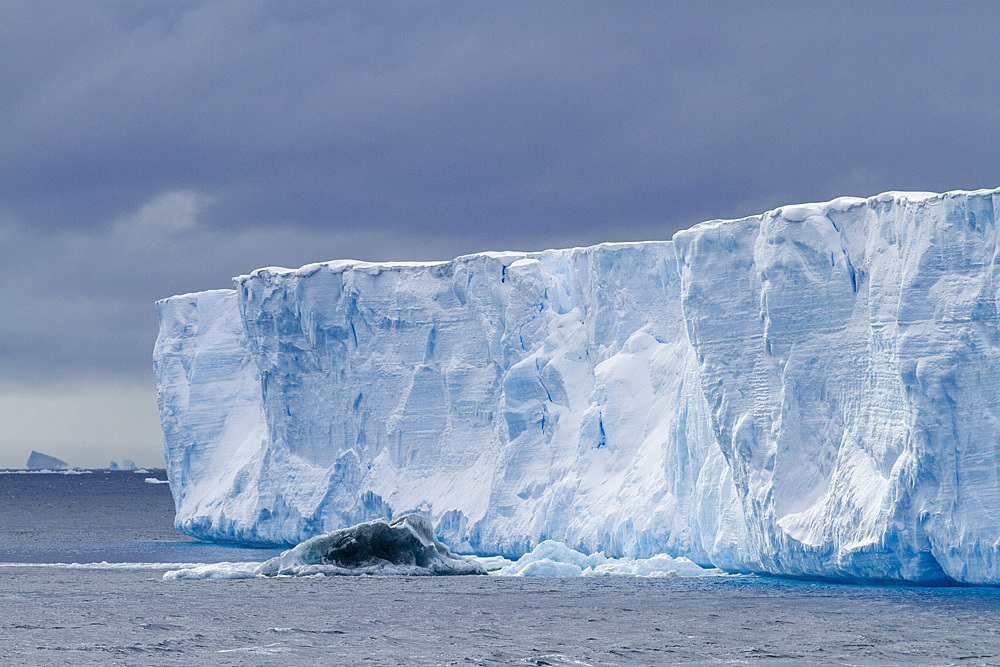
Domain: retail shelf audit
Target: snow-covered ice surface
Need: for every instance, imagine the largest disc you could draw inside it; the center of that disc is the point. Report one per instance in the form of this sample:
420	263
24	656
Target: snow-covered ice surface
813	391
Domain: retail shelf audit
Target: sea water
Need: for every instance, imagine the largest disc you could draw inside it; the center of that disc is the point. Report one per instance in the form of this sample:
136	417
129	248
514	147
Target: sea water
82	558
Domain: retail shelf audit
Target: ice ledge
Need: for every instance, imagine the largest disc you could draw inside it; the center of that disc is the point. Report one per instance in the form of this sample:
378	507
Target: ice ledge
190	296
506	257
799	212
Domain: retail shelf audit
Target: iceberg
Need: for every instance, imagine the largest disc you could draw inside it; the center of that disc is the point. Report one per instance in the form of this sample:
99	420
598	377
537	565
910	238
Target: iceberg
39	461
405	546
811	392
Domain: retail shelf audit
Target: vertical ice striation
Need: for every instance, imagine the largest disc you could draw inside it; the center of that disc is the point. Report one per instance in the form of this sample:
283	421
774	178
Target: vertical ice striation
213	427
813	391
849	355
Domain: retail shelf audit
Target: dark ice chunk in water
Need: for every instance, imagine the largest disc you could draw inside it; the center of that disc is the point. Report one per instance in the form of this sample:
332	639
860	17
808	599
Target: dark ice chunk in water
403	546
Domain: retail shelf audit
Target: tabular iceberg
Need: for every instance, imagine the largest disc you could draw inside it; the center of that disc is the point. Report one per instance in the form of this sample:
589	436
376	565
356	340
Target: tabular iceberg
814	391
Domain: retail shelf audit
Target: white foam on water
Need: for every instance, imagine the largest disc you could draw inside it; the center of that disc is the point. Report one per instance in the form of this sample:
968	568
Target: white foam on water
46	471
263	649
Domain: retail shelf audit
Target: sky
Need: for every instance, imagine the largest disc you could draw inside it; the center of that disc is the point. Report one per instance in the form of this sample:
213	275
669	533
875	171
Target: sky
157	148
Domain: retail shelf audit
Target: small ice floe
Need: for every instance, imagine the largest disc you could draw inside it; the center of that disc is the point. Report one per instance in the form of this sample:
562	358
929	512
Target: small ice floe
214	571
153	480
491	563
554	559
402	547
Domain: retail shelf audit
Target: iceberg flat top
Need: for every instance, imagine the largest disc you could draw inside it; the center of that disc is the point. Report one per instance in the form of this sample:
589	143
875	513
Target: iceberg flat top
505	256
794	212
205	294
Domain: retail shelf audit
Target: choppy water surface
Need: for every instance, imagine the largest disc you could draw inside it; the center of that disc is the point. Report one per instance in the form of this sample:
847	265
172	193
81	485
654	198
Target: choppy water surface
98	516
52	613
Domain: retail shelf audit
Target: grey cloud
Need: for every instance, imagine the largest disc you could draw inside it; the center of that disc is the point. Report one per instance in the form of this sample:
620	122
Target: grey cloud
80	304
381	130
157	148
532	116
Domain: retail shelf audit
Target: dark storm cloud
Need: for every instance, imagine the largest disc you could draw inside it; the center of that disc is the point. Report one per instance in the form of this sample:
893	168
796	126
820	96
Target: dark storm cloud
569	115
282	133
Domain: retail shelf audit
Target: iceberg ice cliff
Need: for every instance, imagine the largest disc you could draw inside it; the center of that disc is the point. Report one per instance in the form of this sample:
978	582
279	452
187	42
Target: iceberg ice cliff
814	391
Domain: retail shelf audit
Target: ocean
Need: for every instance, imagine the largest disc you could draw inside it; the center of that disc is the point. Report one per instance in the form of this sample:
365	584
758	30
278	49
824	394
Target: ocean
82	558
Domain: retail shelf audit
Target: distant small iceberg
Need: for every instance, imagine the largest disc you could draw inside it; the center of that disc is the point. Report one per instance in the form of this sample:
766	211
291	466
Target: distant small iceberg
405	546
154	480
127	464
39	461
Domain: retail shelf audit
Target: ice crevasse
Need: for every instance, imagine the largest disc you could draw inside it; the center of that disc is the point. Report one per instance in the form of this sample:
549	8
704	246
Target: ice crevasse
814	391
